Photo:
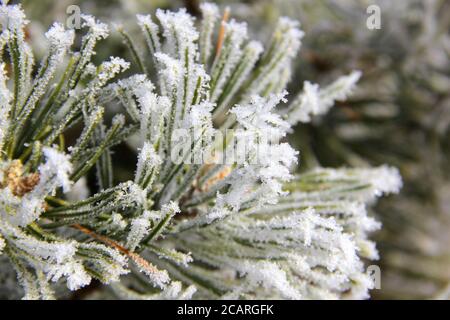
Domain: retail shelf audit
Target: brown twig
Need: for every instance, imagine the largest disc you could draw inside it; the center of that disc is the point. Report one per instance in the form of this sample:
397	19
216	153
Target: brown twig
225	17
133	256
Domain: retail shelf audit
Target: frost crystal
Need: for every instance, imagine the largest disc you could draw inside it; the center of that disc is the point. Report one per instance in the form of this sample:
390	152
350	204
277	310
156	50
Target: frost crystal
55	172
59	38
12	17
99	30
314	101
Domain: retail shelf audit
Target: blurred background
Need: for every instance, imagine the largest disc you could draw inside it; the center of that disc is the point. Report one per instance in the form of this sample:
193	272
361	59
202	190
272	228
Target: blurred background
399	114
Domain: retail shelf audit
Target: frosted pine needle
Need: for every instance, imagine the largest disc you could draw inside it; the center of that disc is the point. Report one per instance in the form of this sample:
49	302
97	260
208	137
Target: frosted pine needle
213	209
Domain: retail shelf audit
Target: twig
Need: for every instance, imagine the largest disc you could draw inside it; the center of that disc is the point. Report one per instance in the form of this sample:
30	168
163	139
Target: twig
133	256
225	17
